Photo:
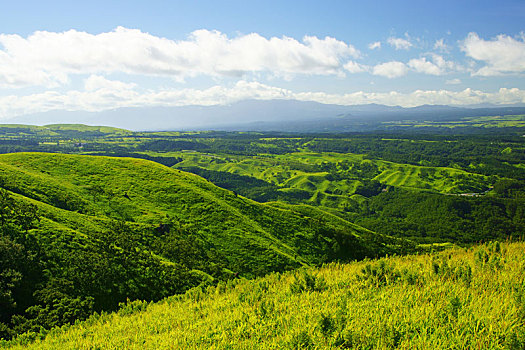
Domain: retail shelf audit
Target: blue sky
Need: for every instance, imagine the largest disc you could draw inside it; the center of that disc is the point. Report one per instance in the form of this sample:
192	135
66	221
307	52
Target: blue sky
100	55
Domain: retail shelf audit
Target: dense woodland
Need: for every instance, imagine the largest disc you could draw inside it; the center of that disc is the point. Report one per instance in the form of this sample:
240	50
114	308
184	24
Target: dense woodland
117	216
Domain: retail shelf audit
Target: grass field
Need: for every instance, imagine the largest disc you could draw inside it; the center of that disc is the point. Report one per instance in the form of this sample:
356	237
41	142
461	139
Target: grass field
498	121
83	194
456	299
332	178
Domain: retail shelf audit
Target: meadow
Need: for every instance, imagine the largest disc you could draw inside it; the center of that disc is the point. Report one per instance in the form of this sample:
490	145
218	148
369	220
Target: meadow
498	121
457	299
335	176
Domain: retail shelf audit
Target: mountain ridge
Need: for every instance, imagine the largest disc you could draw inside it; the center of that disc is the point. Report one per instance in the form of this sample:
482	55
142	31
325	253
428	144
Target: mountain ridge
255	115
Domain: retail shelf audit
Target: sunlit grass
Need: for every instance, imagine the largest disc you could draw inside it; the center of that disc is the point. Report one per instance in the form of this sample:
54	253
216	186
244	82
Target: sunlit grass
461	299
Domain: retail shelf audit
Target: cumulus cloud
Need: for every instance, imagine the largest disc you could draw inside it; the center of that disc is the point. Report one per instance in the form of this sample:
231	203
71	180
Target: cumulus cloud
110	95
421	65
374	45
393	69
437	65
48	58
354	67
502	55
399	43
96	82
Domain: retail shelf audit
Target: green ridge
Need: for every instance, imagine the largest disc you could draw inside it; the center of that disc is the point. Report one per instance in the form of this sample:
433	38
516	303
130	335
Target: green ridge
83	193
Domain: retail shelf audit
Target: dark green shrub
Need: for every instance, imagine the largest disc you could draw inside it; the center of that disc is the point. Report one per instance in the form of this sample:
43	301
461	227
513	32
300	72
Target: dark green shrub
379	274
327	325
306	281
301	340
131	307
456	271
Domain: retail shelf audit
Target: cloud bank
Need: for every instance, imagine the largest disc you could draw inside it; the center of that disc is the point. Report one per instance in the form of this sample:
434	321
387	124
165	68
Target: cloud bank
48	58
103	94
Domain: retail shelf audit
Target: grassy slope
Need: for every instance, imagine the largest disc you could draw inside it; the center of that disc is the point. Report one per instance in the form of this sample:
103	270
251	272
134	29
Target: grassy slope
60	129
296	170
454	299
81	193
87	128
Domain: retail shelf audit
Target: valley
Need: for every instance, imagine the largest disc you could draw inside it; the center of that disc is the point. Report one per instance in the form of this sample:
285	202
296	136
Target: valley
240	175
99	219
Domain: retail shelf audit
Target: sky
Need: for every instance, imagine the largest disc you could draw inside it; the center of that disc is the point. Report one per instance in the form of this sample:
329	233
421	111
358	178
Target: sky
99	55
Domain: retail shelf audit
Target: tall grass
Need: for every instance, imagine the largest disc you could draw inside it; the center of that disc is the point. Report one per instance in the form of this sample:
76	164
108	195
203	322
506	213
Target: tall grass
456	299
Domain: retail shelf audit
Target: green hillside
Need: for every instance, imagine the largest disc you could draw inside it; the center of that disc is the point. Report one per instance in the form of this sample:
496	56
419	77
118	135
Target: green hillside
457	299
146	193
87	128
97	230
93	216
60	130
330	179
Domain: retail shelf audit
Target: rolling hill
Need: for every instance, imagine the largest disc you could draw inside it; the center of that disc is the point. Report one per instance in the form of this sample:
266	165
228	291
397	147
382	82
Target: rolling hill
117	228
330	179
95	189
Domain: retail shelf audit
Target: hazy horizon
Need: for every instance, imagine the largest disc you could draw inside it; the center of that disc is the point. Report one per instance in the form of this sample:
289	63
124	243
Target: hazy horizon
96	57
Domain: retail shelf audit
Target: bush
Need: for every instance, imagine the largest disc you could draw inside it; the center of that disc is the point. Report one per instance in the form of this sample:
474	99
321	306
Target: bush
379	274
305	281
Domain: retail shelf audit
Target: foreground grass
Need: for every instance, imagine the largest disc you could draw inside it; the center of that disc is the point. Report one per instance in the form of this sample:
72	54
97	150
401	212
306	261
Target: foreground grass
456	299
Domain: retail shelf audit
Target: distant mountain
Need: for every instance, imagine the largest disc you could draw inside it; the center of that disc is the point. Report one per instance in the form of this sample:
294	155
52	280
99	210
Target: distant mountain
261	115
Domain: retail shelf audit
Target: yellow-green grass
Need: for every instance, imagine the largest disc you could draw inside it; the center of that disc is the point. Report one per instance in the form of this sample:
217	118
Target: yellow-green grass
56	129
439	179
456	299
18	130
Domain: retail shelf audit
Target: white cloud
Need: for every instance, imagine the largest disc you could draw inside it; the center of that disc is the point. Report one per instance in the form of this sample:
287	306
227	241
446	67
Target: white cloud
454	81
441	46
420	97
393	69
502	55
437	65
96	82
48	58
354	67
421	65
112	96
399	43
374	45
101	97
